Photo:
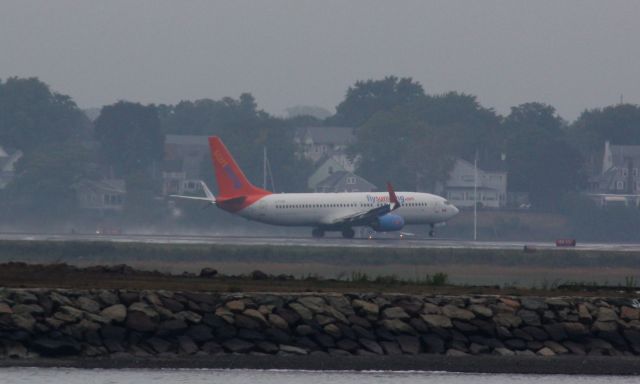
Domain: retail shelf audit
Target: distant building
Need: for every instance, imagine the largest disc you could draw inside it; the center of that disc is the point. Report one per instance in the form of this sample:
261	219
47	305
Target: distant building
619	179
344	181
102	196
8	160
319	142
183	157
460	187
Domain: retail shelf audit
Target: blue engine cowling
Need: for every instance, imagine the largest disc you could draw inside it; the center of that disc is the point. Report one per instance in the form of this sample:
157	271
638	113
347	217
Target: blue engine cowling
388	223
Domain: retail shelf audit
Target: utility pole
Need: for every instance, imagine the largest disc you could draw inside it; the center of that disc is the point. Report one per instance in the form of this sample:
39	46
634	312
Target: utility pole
264	167
475	197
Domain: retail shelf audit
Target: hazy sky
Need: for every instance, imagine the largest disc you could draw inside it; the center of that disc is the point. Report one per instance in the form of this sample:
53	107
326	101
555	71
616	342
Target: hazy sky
571	54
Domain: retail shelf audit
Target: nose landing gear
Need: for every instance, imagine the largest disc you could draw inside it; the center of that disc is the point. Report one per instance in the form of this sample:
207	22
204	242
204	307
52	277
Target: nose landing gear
432	232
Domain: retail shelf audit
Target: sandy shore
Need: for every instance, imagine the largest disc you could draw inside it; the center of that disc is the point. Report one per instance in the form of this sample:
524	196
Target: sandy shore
591	365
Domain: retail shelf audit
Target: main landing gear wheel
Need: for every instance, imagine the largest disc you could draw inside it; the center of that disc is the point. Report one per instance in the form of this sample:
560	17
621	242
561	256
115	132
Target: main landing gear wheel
317	233
432	232
348	233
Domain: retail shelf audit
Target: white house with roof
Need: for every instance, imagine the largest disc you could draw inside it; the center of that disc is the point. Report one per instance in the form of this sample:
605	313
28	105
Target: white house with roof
459	189
619	179
319	142
8	160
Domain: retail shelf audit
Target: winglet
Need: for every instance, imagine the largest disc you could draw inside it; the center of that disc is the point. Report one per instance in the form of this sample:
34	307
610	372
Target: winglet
207	191
393	199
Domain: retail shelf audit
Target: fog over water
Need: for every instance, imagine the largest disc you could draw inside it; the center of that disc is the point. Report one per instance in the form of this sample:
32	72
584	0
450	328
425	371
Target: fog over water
572	54
197	376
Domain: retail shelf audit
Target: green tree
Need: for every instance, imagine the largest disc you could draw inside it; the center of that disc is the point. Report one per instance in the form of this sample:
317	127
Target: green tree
31	115
365	98
246	131
540	159
130	137
44	181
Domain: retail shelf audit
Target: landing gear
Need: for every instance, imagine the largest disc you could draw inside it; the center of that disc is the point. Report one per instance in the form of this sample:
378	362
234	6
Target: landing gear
317	233
432	232
348	233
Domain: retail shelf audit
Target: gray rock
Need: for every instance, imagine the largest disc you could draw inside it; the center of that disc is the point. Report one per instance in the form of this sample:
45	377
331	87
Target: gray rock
557	348
478	349
140	322
144	308
341	304
304	330
606	314
189	316
529	317
277	321
533	304
293	349
536	333
313	303
171	327
398	326
515	344
267	347
481	310
27	309
503	352
575	329
370	310
69	314
372	346
172	304
454	312
88	305
431	309
437	321
333	330
237	345
347	345
361	321
58	299
24	297
15	350
302	311
25	322
507	320
409	344
186	345
557	302
243	321
575	348
324	320
116	313
391	348
108	297
395	313
5	309
254	314
604	326
212	348
159	345
235	305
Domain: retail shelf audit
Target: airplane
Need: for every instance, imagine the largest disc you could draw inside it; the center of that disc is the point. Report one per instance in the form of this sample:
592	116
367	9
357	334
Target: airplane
324	212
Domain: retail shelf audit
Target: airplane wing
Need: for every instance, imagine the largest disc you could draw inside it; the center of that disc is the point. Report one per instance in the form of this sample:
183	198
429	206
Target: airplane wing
208	195
366	217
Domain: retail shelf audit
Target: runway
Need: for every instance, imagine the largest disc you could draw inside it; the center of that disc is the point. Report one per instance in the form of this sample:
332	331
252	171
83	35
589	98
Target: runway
381	242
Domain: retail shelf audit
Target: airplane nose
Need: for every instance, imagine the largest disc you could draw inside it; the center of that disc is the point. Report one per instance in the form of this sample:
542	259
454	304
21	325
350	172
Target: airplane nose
455	210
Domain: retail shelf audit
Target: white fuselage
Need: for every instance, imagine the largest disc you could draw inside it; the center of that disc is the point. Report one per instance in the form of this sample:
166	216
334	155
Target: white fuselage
323	209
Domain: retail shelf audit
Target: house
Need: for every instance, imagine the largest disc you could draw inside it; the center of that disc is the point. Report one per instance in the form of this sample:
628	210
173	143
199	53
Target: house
344	181
8	160
102	196
183	158
491	185
318	142
619	179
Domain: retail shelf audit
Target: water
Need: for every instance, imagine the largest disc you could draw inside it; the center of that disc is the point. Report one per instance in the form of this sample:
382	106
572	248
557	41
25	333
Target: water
214	376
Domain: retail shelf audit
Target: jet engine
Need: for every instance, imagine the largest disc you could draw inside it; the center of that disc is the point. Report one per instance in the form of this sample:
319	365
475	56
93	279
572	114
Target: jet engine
388	223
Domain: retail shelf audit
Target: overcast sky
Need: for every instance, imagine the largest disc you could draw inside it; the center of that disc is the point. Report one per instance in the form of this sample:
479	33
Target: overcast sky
571	54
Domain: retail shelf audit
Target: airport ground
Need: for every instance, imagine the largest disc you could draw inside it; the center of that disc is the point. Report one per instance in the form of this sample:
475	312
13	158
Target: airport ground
503	264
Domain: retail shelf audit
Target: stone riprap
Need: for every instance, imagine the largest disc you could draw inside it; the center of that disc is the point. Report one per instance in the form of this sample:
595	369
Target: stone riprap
119	323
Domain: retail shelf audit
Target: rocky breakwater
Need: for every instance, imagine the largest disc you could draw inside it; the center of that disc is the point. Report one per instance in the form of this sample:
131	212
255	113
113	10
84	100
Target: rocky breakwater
110	323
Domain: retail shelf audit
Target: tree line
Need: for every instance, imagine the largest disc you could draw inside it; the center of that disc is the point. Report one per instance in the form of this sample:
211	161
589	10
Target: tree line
403	133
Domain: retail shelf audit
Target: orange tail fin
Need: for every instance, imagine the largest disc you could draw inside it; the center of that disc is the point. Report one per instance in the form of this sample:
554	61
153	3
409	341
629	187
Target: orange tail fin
231	180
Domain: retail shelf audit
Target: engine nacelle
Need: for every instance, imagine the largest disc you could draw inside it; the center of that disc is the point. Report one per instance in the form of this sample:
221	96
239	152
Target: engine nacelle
388	223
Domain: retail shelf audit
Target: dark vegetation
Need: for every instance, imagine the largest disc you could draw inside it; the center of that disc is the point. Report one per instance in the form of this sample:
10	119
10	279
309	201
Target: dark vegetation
404	134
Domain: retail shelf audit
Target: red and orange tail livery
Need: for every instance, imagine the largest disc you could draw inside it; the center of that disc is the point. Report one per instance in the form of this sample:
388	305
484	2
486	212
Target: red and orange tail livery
232	183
